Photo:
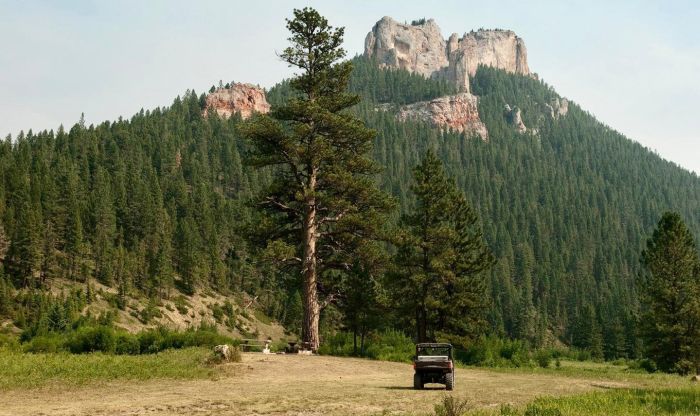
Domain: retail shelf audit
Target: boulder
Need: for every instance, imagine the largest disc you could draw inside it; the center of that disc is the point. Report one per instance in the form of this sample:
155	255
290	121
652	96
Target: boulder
223	352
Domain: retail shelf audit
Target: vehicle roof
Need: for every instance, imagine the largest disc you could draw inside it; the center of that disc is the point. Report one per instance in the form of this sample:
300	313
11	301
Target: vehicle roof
434	345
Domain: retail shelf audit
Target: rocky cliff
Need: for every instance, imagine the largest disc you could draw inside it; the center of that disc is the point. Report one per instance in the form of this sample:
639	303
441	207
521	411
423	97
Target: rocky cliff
420	48
244	99
453	112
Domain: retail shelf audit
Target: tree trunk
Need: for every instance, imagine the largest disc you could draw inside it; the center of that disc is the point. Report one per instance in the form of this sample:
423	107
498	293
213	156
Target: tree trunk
354	340
421	335
309	330
362	342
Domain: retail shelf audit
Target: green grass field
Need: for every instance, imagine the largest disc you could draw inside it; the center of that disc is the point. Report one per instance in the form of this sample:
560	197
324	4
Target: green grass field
617	402
23	370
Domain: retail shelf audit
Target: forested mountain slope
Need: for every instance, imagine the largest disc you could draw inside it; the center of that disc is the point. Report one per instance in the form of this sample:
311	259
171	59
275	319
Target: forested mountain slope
158	205
566	208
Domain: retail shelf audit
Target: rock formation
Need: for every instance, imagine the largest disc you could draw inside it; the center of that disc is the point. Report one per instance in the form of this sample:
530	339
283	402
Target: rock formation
558	107
515	118
497	48
453	112
238	98
420	48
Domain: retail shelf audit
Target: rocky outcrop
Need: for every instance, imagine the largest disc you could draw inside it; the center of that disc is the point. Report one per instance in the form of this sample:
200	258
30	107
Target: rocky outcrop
558	107
496	48
453	112
244	99
420	48
515	118
415	48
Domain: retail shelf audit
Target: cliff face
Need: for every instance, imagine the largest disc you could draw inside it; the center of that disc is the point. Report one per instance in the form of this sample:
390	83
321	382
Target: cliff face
419	49
423	50
497	48
240	98
453	112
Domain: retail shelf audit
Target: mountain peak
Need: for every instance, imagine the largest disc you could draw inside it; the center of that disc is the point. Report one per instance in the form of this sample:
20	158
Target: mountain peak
420	47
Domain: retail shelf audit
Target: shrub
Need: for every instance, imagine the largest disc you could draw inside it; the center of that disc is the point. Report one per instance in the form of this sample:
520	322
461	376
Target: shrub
149	312
218	312
181	305
583	355
91	339
543	358
9	342
45	344
127	344
648	365
390	346
451	406
495	352
387	346
160	339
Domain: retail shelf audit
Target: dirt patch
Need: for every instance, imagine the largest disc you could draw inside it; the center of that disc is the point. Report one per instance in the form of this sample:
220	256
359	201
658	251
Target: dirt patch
289	385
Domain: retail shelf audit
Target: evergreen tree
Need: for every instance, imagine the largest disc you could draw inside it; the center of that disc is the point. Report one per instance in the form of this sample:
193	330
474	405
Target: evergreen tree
670	320
323	197
441	257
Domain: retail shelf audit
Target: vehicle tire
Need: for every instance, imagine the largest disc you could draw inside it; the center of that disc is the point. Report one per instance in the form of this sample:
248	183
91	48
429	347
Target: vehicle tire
417	382
449	381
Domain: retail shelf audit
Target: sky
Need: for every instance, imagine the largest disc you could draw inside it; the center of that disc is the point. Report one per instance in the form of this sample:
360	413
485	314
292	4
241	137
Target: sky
635	65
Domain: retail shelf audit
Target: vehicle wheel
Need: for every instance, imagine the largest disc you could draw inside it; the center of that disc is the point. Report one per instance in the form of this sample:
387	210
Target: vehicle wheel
449	381
417	382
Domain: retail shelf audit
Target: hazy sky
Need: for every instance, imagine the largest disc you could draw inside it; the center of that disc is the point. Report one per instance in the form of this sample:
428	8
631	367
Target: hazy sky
635	65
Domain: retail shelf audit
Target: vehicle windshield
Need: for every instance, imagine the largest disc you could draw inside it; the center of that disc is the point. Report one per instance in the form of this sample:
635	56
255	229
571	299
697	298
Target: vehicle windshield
434	351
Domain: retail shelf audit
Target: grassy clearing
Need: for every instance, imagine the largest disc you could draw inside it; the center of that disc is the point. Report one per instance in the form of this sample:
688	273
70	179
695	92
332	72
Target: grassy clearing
22	370
603	371
622	402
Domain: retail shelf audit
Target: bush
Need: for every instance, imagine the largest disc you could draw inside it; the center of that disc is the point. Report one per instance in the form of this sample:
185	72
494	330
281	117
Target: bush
648	365
583	355
127	344
45	344
181	305
387	346
149	312
92	339
451	406
217	312
495	352
543	358
390	346
160	339
9	342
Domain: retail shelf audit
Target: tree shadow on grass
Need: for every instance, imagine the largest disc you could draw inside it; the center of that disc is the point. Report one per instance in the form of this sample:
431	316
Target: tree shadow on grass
411	388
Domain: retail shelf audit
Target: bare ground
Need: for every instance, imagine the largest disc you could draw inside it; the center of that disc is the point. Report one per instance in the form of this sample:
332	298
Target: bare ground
290	385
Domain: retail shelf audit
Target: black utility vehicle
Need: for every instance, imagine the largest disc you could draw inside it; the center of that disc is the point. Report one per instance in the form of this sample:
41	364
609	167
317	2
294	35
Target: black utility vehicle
433	363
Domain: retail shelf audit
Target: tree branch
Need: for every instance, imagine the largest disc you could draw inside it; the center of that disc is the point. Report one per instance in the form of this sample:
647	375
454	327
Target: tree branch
283	207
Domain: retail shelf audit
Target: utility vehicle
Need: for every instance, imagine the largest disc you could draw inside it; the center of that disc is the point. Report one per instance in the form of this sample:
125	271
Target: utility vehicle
433	363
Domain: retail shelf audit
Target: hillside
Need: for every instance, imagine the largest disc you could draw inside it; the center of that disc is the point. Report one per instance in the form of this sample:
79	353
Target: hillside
567	208
159	206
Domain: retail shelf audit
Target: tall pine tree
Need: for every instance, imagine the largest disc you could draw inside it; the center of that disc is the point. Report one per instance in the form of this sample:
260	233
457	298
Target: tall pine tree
441	256
671	297
323	201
